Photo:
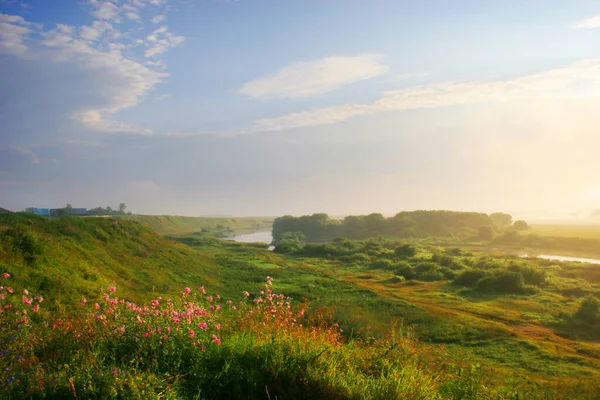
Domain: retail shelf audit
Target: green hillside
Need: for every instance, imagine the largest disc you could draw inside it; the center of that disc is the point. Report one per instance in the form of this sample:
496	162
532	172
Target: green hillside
170	224
76	256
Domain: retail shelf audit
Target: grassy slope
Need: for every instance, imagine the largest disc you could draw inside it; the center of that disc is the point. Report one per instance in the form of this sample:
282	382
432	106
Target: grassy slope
79	255
169	224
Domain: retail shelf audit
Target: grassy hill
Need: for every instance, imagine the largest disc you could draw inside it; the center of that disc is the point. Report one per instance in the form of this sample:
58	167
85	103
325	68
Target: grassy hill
74	257
170	224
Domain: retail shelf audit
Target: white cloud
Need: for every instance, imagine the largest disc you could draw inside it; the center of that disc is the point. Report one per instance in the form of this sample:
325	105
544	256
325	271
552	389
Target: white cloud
94	31
588	23
157	19
94	120
27	152
104	9
160	41
13	19
309	78
579	80
12	38
114	82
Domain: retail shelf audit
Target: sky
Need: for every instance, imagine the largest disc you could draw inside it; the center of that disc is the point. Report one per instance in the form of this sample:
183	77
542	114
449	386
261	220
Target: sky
272	107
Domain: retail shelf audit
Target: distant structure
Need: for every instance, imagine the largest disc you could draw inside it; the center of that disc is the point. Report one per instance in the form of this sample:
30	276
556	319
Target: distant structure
52	212
4	211
38	211
79	211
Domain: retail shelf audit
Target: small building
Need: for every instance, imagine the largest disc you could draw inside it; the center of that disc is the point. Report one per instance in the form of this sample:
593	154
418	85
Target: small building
38	211
4	211
78	211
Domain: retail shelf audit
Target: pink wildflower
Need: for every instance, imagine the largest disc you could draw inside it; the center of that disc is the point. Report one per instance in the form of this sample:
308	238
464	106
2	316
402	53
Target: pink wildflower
203	326
146	334
36	308
201	288
192	333
9	289
216	340
6	275
187	290
218	326
97	306
112	289
246	294
83	301
26	292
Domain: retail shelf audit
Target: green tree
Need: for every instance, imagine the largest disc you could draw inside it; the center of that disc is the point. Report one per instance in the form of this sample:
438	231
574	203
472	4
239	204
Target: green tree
122	208
485	233
520	225
501	220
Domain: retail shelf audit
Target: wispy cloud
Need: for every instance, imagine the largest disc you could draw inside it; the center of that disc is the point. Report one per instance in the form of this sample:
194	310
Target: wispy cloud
310	78
161	40
588	23
157	19
575	81
111	72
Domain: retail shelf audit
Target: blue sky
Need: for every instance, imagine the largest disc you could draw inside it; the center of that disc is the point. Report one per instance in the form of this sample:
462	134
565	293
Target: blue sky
270	107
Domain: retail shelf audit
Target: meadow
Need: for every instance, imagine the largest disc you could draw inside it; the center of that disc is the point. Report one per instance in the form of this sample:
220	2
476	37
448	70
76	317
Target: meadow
365	320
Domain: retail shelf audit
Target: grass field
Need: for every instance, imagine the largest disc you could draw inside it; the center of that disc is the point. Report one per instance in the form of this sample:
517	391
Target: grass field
451	341
566	230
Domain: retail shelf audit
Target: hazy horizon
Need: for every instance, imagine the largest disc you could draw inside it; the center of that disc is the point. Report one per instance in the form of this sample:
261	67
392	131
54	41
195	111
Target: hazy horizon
258	107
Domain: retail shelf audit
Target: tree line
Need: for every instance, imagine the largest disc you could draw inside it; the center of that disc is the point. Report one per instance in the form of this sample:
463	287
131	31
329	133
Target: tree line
421	223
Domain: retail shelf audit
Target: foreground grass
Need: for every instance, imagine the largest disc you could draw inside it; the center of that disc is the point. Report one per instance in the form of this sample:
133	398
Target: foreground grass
206	348
480	345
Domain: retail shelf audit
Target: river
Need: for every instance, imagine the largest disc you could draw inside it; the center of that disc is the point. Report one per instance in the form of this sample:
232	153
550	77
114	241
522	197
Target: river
565	258
255	237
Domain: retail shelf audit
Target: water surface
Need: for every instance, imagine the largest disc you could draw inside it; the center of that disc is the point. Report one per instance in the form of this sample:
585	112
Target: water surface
255	237
565	258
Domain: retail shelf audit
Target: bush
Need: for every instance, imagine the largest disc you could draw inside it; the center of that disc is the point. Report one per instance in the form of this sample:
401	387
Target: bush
405	251
360	258
532	275
426	266
406	270
431	276
286	246
589	310
23	243
502	282
382	263
470	277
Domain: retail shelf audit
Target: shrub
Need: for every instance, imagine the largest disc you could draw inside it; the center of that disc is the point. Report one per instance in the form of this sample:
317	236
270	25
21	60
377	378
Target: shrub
405	251
286	246
431	275
426	266
383	263
502	282
23	243
589	310
356	258
406	270
470	277
532	275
